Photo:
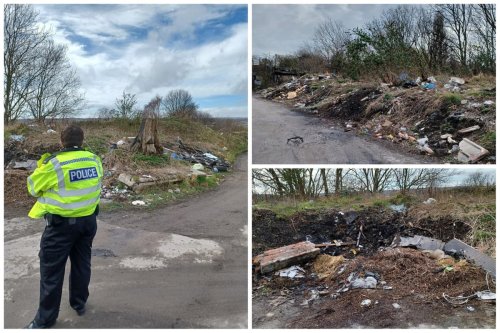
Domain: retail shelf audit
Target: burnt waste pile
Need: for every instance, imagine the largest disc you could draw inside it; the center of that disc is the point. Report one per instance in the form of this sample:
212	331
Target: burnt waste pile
370	268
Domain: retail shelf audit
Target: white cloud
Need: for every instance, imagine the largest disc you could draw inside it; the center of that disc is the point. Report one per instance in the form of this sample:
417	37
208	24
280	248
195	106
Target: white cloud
282	29
167	58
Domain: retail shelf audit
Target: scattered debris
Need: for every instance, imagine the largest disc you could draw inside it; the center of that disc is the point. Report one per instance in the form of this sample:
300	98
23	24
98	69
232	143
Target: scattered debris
292	272
138	203
398	111
396	306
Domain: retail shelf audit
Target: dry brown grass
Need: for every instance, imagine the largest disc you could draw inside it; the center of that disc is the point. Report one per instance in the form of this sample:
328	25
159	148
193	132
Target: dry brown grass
476	208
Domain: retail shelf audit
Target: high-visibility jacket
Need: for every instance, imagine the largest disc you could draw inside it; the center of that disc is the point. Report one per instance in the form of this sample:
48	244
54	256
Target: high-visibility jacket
67	183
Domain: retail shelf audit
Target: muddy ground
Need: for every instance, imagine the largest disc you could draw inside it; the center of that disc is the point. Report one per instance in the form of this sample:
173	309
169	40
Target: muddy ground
417	281
180	266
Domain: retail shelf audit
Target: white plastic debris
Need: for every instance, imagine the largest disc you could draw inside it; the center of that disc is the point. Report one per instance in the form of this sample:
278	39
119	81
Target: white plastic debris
470	308
366	302
486	295
120	143
17	137
51	131
488	102
292	272
210	156
138	203
197	166
396	306
430	201
364	283
423	141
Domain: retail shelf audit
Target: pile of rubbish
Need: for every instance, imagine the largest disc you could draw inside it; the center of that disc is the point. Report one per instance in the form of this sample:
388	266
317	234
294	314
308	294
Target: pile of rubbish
380	269
195	155
406	111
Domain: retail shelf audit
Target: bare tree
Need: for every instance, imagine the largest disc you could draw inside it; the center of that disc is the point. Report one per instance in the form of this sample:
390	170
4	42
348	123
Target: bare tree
478	180
22	38
325	182
458	18
484	23
54	90
408	179
372	180
125	105
339	178
179	103
331	39
302	183
438	47
106	113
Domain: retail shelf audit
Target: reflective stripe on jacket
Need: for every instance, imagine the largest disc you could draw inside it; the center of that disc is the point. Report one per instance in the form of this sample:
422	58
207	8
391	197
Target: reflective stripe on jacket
67	184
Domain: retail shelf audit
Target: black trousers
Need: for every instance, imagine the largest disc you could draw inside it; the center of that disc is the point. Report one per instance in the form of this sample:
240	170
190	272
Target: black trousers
63	238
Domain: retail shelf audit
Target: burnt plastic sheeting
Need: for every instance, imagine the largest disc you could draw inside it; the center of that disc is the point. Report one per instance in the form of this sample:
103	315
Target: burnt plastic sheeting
470	253
419	242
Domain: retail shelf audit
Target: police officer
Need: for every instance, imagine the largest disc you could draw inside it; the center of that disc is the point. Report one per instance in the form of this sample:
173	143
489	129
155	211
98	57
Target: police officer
67	186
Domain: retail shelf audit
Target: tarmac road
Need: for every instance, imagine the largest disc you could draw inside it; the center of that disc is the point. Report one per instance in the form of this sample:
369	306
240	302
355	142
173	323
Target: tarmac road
181	266
273	124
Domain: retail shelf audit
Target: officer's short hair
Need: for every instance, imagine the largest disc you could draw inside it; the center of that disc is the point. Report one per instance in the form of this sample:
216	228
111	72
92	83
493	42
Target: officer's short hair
72	136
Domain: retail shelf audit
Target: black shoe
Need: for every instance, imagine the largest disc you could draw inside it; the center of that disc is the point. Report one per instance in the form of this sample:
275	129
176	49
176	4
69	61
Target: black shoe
34	325
80	311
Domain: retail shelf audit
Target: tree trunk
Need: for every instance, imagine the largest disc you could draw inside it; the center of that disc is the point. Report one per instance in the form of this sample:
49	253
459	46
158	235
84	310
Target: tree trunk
147	141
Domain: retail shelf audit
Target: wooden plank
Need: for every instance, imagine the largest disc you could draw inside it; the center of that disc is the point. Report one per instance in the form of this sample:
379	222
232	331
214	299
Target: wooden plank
285	256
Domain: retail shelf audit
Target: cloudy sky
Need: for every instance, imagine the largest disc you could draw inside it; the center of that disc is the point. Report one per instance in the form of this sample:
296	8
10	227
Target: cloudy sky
152	49
282	29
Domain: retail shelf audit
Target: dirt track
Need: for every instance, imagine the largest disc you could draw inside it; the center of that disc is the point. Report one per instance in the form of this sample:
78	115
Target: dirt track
273	124
182	266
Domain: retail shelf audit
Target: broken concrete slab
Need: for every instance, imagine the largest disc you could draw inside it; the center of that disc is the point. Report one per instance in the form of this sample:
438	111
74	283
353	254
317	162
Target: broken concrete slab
471	254
419	242
126	179
142	186
470	151
275	259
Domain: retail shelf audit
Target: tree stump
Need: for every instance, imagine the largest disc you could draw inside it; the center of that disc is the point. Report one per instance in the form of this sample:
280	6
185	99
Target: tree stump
147	141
